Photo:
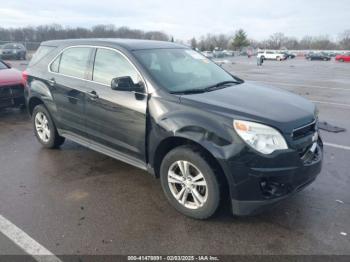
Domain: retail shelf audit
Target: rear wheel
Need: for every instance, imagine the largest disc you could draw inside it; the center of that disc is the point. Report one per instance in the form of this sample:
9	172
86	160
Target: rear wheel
45	129
189	183
341	60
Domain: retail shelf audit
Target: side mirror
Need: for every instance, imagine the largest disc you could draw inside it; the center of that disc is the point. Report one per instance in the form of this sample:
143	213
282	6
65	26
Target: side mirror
125	83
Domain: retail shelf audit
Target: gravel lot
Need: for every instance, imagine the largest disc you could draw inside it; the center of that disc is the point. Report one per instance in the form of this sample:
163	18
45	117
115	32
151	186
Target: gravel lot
76	201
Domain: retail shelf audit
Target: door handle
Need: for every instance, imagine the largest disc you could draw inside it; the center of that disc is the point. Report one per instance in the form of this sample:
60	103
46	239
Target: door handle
52	81
92	94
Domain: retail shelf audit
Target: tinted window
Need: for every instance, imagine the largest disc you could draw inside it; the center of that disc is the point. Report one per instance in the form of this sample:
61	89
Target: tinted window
74	61
9	46
41	53
109	64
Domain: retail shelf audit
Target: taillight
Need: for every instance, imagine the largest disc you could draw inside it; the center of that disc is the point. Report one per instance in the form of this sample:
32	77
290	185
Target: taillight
25	78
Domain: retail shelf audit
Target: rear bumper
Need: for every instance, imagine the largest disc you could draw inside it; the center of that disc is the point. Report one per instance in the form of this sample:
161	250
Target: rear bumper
259	182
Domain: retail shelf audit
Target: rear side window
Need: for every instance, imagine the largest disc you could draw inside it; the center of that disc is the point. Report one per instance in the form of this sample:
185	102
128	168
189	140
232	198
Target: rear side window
72	62
9	46
41	53
109	64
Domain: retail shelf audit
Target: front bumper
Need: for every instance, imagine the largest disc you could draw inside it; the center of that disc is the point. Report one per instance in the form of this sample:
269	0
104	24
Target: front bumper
11	96
260	182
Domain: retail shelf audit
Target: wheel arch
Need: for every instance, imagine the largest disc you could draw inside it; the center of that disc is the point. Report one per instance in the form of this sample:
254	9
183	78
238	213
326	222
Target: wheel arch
170	143
33	102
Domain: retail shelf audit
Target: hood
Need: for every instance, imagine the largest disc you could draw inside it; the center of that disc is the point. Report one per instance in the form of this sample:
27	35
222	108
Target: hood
10	76
250	101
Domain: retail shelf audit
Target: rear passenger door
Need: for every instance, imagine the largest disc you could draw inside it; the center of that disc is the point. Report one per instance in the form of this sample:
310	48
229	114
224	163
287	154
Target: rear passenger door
116	119
68	86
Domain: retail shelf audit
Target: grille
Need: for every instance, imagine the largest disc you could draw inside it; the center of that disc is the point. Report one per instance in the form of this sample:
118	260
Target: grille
304	130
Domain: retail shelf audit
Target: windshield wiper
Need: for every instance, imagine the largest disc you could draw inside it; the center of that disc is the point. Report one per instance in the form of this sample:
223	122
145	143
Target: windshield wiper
189	91
206	89
220	85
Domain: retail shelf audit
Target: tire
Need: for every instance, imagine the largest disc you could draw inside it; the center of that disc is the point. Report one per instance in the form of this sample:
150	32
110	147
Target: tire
341	60
48	136
199	201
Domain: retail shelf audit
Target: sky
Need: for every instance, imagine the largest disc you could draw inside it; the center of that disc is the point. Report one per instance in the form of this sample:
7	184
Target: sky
185	19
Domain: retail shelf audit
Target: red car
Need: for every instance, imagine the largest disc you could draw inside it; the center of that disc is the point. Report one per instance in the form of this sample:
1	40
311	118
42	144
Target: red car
343	58
11	86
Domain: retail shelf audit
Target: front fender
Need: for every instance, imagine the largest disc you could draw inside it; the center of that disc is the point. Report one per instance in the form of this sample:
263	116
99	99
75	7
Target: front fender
170	120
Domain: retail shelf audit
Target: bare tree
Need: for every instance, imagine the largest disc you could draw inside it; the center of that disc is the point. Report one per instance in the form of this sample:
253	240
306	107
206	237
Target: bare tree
193	43
345	40
277	41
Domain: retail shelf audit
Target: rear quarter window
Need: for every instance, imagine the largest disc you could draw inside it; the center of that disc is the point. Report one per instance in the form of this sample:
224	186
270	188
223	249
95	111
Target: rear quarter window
72	62
40	54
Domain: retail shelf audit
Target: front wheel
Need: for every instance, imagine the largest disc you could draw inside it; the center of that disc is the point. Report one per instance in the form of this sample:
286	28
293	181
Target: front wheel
189	183
45	129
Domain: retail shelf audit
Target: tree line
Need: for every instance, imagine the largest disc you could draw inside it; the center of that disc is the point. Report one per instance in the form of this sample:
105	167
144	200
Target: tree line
55	31
240	40
237	41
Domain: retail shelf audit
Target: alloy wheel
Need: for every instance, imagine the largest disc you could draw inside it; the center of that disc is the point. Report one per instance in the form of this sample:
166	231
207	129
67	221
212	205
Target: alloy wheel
42	127
187	184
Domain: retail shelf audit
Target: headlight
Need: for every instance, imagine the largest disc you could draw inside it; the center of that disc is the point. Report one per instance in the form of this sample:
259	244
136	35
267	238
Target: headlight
262	138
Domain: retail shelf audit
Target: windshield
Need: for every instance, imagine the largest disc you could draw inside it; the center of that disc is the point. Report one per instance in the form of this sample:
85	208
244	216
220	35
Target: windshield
179	70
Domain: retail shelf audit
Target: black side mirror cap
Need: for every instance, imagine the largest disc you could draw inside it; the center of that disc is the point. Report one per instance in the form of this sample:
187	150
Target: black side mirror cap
125	83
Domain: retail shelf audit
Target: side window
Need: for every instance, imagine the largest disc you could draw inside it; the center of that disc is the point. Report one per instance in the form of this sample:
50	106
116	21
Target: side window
74	62
109	64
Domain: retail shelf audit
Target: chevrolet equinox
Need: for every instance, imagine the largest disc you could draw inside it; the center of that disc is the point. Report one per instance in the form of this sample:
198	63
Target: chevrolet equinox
169	110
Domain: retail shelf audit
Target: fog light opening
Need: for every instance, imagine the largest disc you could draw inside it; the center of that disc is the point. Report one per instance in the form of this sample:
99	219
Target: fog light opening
272	189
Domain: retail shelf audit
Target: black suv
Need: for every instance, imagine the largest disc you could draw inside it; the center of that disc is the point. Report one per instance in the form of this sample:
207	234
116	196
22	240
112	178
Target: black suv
169	110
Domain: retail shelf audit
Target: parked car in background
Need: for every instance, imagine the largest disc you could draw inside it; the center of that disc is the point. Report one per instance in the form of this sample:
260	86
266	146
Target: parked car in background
288	55
318	56
271	55
11	86
13	51
169	110
208	54
343	58
218	54
228	53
